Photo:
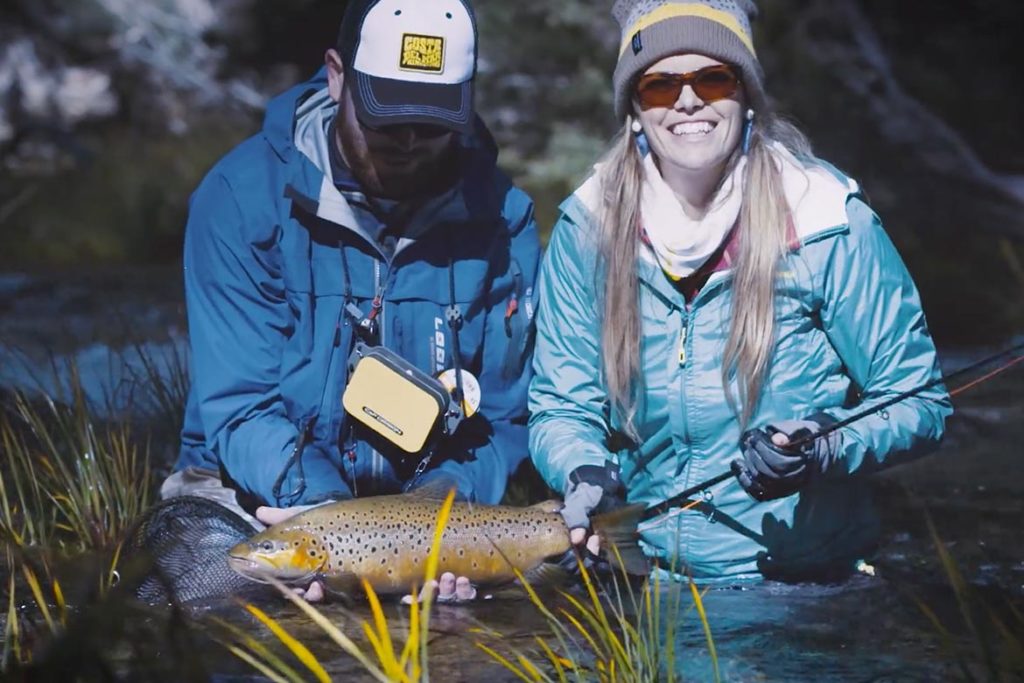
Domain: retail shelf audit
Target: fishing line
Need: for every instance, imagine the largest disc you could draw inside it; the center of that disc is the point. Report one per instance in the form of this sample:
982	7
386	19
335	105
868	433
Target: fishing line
682	497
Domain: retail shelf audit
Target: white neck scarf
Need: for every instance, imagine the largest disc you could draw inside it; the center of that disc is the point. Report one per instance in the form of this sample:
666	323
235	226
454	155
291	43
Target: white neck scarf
681	244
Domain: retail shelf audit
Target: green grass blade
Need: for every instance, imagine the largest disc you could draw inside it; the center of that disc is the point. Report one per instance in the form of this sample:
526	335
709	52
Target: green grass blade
300	651
707	629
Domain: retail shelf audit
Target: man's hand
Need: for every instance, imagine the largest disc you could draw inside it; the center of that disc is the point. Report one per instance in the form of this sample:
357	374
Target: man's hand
448	590
771	468
271	516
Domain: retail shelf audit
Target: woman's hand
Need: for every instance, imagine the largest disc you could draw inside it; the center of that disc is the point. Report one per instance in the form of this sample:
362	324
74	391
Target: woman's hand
779	459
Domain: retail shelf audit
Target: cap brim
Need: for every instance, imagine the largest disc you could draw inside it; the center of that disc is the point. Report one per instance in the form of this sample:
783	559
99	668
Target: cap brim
388	102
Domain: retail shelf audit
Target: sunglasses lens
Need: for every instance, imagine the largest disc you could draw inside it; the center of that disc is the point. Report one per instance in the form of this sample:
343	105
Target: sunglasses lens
657	90
711	84
715	83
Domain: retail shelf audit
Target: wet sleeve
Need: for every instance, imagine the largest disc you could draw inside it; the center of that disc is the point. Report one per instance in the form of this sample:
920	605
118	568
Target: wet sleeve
568	402
238	321
872	314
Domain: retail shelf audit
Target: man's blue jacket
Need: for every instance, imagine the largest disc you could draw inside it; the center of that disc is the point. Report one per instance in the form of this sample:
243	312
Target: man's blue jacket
273	253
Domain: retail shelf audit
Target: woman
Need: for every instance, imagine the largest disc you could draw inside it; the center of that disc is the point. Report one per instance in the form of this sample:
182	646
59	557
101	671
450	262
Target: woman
710	293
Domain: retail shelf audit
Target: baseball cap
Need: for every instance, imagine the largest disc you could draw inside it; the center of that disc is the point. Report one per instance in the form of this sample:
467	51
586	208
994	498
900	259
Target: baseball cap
410	61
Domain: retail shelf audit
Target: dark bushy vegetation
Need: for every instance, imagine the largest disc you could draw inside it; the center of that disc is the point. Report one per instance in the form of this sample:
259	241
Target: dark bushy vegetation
119	194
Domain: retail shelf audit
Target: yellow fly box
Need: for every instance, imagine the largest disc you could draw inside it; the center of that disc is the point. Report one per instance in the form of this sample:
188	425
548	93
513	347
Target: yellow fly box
394	398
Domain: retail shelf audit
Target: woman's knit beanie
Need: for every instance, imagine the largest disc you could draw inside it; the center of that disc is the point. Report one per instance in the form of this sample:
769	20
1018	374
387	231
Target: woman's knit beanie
655	29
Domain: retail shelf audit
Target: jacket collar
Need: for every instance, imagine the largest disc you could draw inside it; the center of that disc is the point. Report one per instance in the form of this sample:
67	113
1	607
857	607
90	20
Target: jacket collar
817	193
297	127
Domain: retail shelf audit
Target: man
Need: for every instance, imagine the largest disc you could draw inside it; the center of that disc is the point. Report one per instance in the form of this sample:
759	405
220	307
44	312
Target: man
367	211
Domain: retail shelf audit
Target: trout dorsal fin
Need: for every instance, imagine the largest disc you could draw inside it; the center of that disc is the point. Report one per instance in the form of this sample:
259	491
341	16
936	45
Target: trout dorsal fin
433	490
618	534
547	506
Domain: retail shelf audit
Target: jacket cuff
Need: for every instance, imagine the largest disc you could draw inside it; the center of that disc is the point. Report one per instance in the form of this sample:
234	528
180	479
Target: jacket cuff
822	418
606	476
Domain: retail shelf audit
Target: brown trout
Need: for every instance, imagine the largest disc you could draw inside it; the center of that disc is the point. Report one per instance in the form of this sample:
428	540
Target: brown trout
386	540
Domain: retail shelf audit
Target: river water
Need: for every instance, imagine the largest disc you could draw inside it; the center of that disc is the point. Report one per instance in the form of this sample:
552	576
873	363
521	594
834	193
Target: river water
870	628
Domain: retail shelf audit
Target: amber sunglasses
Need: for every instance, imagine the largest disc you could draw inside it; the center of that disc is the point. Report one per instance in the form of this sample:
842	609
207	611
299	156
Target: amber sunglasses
712	83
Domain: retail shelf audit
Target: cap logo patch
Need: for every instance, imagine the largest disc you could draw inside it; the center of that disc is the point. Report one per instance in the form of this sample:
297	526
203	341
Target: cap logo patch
422	53
638	43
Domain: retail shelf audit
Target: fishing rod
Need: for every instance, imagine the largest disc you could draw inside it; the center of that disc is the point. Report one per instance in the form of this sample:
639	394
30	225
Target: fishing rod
681	498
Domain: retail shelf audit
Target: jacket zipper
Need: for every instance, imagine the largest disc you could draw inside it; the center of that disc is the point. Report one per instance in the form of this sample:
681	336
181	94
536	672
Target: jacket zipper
685	353
685	363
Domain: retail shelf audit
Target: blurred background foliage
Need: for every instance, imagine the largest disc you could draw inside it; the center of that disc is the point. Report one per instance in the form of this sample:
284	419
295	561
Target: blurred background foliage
111	111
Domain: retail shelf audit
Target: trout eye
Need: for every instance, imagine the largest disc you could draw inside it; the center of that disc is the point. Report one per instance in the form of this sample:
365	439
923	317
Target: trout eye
266	546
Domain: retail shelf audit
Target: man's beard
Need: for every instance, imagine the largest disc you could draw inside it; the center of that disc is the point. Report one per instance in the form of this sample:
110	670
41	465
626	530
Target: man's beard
417	178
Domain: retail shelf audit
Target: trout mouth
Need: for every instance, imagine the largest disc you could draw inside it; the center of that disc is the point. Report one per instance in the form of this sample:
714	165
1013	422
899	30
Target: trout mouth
261	572
280	561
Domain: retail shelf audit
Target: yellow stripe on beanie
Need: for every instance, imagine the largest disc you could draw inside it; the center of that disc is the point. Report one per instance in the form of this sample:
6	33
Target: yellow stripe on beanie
673	10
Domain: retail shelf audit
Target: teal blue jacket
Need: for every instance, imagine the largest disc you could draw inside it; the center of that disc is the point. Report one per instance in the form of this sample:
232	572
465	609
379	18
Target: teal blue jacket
850	334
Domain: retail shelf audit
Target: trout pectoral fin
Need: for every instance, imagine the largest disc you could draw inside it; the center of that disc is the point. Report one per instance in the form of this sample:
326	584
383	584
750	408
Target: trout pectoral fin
619	538
343	586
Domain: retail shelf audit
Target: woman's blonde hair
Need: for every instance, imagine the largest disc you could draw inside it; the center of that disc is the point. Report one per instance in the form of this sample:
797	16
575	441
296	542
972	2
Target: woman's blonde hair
762	239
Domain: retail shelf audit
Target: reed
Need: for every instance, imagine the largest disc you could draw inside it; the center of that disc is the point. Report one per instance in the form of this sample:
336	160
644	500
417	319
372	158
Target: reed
70	482
992	645
70	487
615	633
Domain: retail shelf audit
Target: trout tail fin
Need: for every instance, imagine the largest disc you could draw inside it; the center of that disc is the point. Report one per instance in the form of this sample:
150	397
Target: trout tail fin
618	534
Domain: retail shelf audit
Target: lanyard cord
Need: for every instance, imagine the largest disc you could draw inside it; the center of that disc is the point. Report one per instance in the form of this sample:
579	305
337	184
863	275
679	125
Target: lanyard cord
454	316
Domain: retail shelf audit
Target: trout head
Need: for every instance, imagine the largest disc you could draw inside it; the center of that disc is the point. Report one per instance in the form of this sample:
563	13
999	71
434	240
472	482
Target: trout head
291	556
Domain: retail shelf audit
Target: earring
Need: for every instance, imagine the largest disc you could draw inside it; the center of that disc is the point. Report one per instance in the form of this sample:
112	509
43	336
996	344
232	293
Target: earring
748	131
636	126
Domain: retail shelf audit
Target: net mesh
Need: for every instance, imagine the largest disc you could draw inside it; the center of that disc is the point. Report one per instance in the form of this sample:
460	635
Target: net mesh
184	543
